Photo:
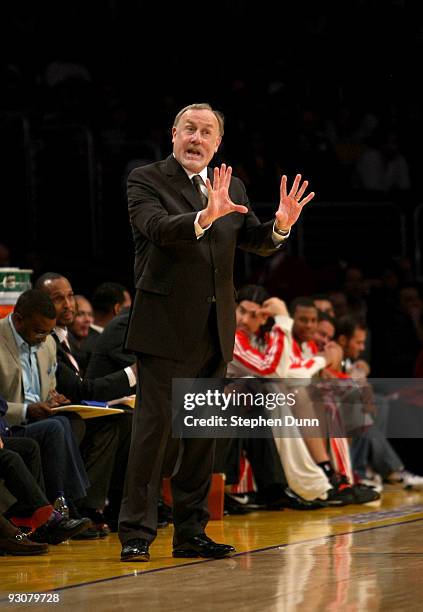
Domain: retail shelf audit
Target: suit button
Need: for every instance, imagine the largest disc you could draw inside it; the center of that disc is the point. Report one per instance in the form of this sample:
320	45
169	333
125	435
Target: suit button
216	270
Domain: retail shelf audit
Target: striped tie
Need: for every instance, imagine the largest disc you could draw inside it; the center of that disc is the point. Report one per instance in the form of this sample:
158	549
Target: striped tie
198	181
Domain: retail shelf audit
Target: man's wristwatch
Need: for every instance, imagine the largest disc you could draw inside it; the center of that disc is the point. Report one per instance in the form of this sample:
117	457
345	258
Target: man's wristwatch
284	233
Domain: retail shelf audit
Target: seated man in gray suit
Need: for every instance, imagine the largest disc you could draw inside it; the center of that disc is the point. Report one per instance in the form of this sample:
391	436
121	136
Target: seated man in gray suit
27	383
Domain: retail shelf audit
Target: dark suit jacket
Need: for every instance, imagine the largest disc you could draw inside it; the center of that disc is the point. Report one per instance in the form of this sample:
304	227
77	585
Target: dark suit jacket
176	275
101	389
87	346
109	354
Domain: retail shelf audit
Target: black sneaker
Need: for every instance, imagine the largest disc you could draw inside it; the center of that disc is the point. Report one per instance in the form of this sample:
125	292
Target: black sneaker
364	494
252	501
233	506
340	496
291	500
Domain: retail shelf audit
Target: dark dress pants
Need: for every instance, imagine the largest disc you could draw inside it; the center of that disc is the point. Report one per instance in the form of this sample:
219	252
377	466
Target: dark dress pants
152	447
29	451
262	455
20	482
63	468
105	450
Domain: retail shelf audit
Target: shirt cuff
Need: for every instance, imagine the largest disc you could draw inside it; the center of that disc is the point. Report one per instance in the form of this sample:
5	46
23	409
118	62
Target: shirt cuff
132	379
24	411
199	231
277	238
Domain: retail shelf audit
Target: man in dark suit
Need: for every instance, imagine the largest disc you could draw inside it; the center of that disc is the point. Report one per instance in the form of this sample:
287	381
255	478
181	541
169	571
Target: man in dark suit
105	439
186	227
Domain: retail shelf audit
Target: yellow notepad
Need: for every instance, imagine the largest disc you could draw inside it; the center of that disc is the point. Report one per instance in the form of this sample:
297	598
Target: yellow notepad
88	412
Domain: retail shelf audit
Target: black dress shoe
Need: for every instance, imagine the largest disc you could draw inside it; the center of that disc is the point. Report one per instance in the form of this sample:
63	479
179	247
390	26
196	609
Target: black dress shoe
135	550
202	546
60	531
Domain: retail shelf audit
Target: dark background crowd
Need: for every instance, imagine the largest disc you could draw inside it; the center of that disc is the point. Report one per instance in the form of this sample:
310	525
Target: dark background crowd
90	90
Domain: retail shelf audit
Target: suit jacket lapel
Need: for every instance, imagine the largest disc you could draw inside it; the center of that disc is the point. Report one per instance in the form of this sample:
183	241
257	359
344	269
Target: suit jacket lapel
181	183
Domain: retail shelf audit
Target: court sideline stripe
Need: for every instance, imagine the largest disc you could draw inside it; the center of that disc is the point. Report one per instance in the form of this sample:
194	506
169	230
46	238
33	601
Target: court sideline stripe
241	554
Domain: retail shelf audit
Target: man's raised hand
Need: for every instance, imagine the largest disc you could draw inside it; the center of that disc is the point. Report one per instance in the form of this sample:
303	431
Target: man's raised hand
219	203
291	204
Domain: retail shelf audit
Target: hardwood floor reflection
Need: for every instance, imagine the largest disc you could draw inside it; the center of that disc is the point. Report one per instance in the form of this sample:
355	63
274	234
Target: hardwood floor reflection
354	559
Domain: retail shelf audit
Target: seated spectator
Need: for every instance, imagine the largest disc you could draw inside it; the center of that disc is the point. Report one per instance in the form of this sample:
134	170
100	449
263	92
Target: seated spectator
317	338
264	351
107	300
306	362
339	302
325	329
27	383
323	304
109	354
107	439
30	510
70	381
81	325
371	448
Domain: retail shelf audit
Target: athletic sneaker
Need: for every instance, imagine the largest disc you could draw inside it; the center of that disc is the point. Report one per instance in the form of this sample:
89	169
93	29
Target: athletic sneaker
339	496
232	505
375	482
407	480
364	494
289	499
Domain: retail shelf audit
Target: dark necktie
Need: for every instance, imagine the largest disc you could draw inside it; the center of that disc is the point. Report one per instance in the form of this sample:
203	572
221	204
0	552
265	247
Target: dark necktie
198	181
66	347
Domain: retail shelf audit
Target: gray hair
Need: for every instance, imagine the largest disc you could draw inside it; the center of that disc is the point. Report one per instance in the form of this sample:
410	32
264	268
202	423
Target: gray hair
202	106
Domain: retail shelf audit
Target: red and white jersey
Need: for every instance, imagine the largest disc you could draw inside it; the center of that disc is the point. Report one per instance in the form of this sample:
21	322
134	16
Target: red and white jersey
268	357
304	361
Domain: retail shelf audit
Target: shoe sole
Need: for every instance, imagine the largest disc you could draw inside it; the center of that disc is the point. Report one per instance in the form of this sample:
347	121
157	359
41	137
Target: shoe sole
144	557
337	504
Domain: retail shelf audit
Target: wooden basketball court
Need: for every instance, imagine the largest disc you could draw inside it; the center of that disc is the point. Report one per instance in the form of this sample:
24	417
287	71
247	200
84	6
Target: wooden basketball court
354	558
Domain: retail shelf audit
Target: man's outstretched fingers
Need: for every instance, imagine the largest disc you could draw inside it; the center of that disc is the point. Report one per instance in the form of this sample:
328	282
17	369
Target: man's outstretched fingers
295	186
308	198
301	191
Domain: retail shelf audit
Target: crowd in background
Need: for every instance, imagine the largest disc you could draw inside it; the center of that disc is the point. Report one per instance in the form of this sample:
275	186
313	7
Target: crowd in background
77	116
342	108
